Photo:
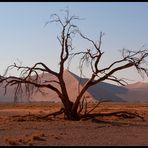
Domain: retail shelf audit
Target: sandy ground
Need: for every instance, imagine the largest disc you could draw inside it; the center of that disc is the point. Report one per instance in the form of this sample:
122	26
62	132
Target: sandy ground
110	131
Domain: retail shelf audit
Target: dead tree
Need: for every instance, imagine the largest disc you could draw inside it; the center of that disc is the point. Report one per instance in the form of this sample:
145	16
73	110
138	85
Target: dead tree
31	80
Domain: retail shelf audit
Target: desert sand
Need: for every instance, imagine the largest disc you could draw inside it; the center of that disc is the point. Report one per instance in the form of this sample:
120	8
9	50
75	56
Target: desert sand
109	131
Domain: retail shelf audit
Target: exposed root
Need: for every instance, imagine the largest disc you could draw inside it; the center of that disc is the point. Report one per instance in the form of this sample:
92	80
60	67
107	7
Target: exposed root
120	114
33	117
61	111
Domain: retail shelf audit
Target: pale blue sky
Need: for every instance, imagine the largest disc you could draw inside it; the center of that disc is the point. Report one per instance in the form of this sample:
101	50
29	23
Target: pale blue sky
23	36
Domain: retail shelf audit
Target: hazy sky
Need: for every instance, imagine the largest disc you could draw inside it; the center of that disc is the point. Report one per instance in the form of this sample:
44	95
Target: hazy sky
24	37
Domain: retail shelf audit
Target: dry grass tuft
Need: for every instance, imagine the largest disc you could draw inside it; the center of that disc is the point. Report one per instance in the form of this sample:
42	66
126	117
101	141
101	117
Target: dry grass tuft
25	140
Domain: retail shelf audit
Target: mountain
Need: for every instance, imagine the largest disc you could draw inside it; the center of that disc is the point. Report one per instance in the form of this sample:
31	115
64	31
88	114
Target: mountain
136	92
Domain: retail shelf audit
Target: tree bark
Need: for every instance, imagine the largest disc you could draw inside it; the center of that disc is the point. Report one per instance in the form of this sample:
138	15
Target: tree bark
69	113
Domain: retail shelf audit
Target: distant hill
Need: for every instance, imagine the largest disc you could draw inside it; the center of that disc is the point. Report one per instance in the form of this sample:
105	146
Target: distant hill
138	85
137	92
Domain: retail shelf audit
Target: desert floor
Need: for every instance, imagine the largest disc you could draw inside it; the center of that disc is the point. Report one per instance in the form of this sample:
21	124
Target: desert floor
109	131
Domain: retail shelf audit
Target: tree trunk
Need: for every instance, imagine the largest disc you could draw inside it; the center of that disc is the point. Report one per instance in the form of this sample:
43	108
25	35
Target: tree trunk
69	113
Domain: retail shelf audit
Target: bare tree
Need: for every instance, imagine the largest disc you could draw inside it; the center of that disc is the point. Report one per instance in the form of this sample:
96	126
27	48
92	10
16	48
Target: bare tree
30	76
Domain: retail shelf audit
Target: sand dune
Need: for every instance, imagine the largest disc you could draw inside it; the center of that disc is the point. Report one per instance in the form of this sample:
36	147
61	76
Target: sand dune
137	92
138	85
71	84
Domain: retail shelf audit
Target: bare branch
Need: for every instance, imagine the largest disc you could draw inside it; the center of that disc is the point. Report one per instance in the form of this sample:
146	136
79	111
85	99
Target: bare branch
119	81
99	102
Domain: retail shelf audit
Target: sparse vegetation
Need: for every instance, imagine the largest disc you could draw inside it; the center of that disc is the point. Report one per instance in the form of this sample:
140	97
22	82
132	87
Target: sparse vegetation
26	140
62	132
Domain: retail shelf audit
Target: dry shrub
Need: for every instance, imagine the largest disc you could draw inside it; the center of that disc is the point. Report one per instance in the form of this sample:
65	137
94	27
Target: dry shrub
38	138
26	140
12	141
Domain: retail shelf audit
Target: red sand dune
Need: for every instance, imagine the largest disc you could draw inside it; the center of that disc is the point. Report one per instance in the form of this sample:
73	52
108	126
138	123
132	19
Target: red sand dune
137	92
